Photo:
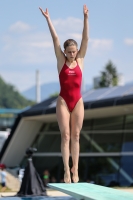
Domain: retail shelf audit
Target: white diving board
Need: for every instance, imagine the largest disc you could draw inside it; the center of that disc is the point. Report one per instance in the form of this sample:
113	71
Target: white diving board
88	191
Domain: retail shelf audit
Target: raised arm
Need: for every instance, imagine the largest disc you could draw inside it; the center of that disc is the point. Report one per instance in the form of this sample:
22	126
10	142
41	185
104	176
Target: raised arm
57	48
85	34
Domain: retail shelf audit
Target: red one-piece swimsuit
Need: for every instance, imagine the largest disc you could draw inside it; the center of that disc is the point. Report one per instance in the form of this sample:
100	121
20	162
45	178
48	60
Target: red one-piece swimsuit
70	83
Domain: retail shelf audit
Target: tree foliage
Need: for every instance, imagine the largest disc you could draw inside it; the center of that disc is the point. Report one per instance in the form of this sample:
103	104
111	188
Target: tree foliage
11	98
56	94
109	77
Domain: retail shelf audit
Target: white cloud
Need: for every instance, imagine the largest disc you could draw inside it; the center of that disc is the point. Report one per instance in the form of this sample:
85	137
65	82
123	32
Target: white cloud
19	27
129	41
72	24
42	44
30	48
36	47
69	28
101	44
76	36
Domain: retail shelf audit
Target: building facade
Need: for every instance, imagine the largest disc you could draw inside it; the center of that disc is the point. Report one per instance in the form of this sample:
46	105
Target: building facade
106	139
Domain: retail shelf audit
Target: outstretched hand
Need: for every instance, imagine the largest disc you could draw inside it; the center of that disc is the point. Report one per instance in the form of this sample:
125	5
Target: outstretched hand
85	10
45	13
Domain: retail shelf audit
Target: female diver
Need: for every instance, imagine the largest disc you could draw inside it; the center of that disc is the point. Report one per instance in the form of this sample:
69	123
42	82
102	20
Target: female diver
70	108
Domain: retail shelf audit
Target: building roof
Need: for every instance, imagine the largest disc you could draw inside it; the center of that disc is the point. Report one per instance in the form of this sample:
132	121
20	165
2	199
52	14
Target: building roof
93	98
40	108
108	93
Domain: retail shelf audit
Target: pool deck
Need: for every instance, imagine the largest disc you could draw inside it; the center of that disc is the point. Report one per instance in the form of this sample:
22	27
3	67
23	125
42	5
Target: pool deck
52	193
55	193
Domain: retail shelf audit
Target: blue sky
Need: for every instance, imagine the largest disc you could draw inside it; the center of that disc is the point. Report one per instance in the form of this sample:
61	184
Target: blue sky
26	44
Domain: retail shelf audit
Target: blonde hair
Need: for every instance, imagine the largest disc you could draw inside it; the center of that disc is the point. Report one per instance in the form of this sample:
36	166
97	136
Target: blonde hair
70	42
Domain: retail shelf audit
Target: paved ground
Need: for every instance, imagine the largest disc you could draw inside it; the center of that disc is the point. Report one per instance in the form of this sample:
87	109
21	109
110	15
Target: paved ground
49	193
126	189
57	193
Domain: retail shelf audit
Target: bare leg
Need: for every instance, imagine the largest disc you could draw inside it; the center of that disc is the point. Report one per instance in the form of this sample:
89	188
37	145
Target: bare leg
63	118
77	116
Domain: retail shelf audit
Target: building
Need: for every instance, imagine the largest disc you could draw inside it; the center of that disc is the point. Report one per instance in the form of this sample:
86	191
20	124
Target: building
106	141
3	136
7	119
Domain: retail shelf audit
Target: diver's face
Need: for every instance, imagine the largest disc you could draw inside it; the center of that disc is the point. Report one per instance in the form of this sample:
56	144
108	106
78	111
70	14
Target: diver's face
71	52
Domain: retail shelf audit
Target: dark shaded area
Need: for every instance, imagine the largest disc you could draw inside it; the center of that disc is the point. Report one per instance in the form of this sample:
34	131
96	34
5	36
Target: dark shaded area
32	184
114	184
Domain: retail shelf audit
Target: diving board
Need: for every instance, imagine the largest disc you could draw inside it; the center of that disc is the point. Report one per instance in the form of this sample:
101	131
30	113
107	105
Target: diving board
88	191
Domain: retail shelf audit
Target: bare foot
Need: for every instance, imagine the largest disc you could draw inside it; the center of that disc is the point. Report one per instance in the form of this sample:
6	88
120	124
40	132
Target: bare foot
75	176
67	176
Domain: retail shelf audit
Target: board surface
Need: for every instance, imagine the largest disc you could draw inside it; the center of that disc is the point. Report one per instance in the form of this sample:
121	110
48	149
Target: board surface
88	191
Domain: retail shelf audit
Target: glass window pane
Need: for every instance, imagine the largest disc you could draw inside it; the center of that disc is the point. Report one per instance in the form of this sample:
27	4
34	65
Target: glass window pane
128	134
126	171
87	125
99	170
48	143
54	127
128	141
129	122
107	141
110	123
85	143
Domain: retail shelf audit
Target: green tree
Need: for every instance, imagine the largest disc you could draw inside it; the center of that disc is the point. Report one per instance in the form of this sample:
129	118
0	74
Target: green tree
54	94
11	98
109	77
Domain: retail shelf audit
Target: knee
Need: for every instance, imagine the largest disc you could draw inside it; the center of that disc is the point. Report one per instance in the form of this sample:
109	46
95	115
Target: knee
65	136
75	136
